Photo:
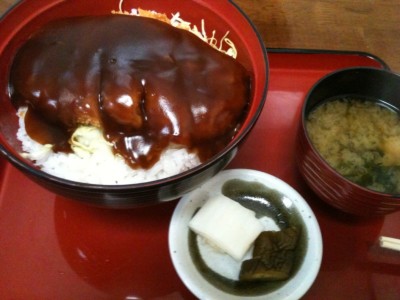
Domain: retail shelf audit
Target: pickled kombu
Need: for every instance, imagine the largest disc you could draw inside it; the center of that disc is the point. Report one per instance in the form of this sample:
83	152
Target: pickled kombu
273	256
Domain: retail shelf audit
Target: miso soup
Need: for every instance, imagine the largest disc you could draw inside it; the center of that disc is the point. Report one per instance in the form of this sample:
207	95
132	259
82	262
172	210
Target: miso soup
360	139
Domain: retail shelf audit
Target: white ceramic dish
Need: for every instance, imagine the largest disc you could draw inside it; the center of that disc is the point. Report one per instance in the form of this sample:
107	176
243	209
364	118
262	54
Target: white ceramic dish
294	288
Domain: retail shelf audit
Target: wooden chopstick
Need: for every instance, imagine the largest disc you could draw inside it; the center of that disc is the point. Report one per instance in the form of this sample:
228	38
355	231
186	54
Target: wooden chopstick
389	243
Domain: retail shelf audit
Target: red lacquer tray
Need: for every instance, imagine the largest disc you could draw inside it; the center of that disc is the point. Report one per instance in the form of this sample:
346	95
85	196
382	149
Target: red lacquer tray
55	248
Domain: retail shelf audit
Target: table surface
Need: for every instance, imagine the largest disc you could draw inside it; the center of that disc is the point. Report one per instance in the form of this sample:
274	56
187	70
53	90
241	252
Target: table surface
371	26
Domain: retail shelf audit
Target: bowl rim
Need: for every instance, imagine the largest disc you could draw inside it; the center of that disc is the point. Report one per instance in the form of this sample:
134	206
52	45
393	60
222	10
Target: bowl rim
322	160
21	164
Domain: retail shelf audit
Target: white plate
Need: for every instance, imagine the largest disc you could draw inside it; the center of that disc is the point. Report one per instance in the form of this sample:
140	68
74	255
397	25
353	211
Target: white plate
294	288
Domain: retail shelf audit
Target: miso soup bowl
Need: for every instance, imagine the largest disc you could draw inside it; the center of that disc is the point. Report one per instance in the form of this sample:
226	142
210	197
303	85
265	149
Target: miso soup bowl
222	16
329	185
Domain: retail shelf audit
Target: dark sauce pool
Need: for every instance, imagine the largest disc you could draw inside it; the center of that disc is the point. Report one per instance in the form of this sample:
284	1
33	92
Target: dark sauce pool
265	202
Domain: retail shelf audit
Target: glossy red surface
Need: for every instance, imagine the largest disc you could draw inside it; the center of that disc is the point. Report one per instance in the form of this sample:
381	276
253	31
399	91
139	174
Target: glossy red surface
54	248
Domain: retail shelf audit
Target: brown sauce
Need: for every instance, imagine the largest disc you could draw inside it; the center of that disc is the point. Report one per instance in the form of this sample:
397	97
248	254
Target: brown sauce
144	82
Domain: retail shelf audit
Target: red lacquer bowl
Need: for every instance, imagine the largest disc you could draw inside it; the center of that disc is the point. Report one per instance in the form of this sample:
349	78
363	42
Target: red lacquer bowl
329	185
222	16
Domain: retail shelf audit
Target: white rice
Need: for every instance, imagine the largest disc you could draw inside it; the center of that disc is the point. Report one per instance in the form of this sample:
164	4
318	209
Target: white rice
101	166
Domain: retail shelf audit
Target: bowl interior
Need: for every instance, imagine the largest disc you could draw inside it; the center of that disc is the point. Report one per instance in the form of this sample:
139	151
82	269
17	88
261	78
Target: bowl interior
370	83
222	16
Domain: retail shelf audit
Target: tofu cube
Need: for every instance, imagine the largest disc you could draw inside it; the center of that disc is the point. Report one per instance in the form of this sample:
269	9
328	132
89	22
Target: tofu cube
228	225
